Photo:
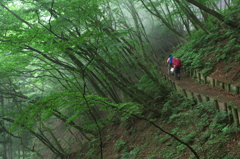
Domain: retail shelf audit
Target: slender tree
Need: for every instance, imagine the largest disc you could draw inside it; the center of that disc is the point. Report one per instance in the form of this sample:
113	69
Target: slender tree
214	13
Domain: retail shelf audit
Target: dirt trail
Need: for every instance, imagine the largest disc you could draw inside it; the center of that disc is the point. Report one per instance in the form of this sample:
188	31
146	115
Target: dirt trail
188	83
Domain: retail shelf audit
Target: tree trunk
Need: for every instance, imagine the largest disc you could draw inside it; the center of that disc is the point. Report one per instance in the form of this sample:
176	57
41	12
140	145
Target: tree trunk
163	20
220	17
191	16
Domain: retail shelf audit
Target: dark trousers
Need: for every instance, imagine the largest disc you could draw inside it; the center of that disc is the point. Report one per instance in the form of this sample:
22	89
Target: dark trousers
177	73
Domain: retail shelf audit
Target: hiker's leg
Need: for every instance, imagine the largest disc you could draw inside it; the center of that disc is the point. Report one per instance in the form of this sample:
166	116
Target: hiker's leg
177	73
169	69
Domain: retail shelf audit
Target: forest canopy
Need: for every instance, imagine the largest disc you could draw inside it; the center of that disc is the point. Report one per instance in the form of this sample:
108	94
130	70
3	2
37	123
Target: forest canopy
81	64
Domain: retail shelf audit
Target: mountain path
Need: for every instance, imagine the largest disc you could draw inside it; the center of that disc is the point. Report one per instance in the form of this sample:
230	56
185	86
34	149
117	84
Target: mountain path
189	83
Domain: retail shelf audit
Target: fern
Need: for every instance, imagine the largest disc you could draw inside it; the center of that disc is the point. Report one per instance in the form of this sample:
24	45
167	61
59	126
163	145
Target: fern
238	56
206	71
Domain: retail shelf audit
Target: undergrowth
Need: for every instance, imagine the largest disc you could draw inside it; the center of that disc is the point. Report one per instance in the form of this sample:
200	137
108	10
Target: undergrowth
200	125
203	51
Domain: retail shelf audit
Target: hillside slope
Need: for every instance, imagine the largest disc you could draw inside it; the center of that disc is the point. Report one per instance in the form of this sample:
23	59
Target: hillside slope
203	127
207	130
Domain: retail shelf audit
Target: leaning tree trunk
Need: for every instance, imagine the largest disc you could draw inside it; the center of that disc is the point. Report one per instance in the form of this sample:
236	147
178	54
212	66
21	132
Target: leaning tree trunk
219	16
163	20
188	12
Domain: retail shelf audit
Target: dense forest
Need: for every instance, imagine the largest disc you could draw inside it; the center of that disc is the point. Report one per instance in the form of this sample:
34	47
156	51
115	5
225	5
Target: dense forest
72	71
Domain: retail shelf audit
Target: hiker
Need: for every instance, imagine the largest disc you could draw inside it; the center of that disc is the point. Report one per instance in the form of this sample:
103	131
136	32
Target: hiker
176	63
169	63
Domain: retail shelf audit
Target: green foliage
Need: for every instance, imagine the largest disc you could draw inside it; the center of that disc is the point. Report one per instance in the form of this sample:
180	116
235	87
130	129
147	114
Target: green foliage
121	146
189	138
128	109
206	71
238	57
230	130
92	153
205	50
221	57
131	154
205	136
230	45
66	61
152	157
164	139
174	104
147	85
200	125
190	57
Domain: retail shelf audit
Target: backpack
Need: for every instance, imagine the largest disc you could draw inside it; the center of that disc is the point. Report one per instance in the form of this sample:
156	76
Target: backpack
176	63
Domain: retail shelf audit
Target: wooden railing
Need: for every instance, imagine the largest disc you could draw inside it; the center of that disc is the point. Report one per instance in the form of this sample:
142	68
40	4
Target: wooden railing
224	106
214	82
